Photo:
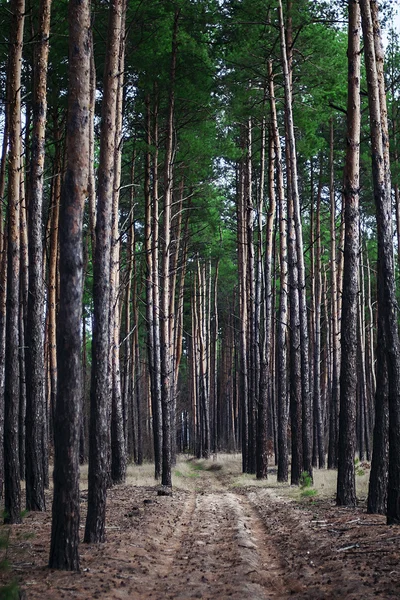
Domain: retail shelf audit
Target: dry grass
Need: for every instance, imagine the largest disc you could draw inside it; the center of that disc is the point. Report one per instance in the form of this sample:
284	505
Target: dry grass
325	481
187	472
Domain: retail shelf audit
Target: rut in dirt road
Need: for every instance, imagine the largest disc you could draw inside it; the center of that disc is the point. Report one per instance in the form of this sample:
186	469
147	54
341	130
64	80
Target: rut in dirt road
218	537
219	553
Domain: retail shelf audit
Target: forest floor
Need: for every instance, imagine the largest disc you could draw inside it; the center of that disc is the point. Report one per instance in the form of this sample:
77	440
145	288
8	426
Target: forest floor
221	535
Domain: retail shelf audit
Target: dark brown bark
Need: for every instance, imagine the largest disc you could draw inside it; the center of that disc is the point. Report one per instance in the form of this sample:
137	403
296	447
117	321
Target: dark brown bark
151	286
243	319
295	356
264	342
100	385
387	303
53	270
165	316
335	387
155	282
12	490
282	325
317	399
378	480
346	490
127	383
295	198
35	406
23	303
65	516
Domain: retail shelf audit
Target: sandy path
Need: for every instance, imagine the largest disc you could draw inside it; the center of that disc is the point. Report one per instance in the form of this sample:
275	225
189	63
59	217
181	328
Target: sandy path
218	555
215	542
215	550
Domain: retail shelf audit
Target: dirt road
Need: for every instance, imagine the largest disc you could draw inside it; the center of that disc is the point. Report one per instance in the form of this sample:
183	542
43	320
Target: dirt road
213	540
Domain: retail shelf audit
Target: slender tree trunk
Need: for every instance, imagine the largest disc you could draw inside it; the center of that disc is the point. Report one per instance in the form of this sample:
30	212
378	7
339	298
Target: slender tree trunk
92	179
118	446
23	304
151	285
318	412
65	515
53	271
346	490
335	395
127	389
387	303
250	299
100	388
243	320
282	325
12	489
265	345
295	356
35	402
201	320
155	280
304	345
166	367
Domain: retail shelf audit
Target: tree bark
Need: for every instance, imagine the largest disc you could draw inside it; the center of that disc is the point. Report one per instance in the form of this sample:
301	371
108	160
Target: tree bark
335	394
165	316
35	406
100	388
118	445
387	303
65	514
304	343
346	490
282	325
12	489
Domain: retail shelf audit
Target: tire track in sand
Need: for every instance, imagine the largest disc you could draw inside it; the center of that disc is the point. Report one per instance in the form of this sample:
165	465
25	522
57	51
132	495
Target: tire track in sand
221	553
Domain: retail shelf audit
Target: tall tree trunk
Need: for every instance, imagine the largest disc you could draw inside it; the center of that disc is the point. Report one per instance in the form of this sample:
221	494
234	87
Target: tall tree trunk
151	230
250	299
201	320
304	345
155	281
35	402
282	326
387	303
127	388
53	269
166	370
265	343
12	489
118	446
346	490
3	288
243	319
65	514
318	412
335	395
100	388
23	304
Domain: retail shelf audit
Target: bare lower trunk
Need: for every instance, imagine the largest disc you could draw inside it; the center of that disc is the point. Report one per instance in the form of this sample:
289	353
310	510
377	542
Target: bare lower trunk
12	490
36	413
346	490
100	388
65	514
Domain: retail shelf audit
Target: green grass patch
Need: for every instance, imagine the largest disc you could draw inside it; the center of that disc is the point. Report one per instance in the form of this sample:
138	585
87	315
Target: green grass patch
197	466
191	474
305	480
308	493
